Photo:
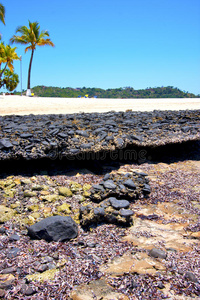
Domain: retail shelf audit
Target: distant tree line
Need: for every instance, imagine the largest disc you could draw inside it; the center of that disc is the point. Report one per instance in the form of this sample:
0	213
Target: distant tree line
126	92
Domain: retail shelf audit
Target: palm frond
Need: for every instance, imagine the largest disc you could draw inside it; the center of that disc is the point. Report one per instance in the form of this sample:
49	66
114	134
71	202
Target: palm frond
45	42
2	14
19	40
10	66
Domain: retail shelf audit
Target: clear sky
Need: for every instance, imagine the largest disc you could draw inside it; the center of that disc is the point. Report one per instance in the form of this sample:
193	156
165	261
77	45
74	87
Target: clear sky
110	43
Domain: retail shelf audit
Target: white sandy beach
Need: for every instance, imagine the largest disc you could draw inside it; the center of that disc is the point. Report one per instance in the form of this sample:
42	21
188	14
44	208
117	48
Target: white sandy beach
22	105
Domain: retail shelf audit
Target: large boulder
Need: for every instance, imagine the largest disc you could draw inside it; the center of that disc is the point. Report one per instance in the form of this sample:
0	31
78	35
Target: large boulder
57	228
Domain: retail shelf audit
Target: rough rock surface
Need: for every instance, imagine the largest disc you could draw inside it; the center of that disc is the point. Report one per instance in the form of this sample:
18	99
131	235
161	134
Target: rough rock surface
59	136
108	260
109	194
130	186
57	228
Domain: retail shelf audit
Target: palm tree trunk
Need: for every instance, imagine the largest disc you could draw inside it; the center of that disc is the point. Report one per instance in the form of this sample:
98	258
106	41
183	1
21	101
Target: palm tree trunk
1	73
29	71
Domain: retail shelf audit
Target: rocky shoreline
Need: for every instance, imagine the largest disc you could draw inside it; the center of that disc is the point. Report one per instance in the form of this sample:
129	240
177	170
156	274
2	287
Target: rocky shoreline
78	136
137	226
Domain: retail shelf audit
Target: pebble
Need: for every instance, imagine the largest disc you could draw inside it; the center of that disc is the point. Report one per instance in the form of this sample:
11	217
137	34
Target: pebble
2	230
126	213
117	204
190	276
13	252
27	290
14	237
109	184
130	184
157	253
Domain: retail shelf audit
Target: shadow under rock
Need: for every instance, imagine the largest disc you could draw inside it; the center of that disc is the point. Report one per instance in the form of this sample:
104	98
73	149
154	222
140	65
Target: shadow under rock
102	162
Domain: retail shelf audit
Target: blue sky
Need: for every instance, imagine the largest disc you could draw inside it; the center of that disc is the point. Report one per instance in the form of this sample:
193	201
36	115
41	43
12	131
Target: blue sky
111	43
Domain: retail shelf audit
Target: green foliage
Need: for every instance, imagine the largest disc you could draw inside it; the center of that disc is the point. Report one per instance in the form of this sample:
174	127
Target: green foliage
127	92
10	80
2	13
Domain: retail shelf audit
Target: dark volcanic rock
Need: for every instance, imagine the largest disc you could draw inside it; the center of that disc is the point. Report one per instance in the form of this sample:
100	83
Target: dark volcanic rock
109	184
96	215
94	132
191	276
121	186
114	209
130	184
13	252
5	143
146	188
27	290
157	253
126	213
26	135
57	228
117	204
14	237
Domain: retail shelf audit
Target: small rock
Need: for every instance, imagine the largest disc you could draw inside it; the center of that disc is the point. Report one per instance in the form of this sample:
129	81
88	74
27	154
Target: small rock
26	135
51	266
42	268
117	204
47	259
99	211
91	245
146	189
27	290
29	194
160	285
6	213
106	177
44	276
119	142
180	271
37	187
130	184
2	230
62	135
190	276
14	237
157	253
50	198
13	252
66	208
6	280
5	143
82	133
126	213
109	184
8	270
98	187
64	191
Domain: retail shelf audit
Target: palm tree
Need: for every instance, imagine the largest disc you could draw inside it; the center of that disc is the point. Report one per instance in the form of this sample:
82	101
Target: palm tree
7	56
2	13
33	37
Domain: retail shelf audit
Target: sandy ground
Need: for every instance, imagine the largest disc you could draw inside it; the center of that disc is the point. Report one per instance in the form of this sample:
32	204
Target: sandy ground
22	105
